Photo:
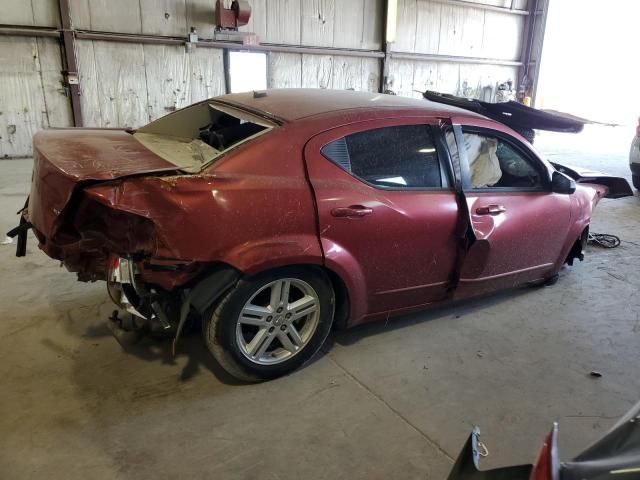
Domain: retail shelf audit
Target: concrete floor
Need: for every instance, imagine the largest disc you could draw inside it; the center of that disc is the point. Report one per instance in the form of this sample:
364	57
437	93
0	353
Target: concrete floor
392	400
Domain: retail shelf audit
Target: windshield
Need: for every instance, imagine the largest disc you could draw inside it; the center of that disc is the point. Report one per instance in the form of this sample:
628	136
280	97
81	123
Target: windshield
194	137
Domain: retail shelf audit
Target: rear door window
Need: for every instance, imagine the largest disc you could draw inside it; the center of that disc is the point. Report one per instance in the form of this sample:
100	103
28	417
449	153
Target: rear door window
392	157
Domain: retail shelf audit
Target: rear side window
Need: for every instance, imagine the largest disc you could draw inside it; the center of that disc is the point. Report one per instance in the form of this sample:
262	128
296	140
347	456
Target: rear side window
398	157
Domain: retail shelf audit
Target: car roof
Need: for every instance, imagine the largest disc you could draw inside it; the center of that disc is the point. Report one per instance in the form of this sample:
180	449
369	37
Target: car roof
291	104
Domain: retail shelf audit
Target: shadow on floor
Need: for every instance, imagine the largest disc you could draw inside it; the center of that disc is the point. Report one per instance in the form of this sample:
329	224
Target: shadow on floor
448	309
90	320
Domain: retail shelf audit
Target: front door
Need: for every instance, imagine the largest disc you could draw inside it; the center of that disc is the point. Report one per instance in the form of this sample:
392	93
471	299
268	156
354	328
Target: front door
387	215
519	226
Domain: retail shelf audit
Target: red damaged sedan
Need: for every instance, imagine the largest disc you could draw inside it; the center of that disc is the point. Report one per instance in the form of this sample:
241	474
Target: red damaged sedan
273	215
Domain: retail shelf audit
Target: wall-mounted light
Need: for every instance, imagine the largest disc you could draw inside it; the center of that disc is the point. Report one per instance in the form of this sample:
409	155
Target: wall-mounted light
392	19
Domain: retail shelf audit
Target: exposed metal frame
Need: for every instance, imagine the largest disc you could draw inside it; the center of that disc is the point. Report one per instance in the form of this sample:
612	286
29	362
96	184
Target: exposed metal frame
163	40
226	65
71	73
530	68
431	57
263	47
386	47
484	6
20	31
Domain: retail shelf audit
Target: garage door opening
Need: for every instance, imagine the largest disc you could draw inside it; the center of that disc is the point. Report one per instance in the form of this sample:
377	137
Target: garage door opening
586	69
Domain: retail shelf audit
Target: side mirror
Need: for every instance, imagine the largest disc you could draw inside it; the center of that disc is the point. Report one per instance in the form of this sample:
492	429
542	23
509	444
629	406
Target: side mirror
560	183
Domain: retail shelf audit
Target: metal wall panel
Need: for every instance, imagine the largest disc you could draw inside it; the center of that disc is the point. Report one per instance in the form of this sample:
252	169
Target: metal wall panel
441	28
330	23
121	16
461	31
168	79
317	71
128	85
283	22
200	15
429	26
317	22
320	23
113	84
164	17
428	19
41	13
370	74
411	77
372	24
258	21
120	84
516	4
406	26
349	24
32	96
285	70
56	98
207	73
347	73
294	70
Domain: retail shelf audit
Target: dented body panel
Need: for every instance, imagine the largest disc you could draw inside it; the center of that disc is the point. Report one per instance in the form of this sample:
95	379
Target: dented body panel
65	158
268	202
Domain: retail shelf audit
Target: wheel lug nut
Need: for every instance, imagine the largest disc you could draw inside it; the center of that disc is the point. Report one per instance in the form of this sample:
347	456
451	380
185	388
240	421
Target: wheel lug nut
288	315
269	319
279	309
272	329
283	327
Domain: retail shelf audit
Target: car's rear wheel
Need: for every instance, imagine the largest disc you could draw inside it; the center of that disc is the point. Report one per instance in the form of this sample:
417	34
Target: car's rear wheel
271	324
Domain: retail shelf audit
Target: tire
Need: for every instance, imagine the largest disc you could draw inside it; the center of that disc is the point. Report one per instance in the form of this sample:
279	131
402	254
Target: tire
636	181
236	337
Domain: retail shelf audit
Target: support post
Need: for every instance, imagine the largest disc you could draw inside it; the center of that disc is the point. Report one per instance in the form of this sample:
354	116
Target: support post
386	45
533	38
71	69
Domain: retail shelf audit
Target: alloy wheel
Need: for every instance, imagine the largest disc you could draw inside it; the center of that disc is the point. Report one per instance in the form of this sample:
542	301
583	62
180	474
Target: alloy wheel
278	321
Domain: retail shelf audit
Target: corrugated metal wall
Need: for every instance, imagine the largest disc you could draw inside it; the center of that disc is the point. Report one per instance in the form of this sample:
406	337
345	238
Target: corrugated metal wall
31	91
129	84
141	83
437	28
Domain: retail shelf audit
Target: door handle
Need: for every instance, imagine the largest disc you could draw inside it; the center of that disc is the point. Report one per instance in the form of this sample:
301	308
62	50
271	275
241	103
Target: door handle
491	210
353	211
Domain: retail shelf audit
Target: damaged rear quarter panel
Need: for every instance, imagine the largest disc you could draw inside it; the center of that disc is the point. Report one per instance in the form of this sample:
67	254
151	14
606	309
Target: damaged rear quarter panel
583	202
254	210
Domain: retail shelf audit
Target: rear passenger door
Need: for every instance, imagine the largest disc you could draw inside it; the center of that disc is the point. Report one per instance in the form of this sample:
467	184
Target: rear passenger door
387	214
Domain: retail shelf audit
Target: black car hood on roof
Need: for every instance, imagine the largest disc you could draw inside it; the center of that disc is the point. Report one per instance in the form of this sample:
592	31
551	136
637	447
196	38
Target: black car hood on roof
514	114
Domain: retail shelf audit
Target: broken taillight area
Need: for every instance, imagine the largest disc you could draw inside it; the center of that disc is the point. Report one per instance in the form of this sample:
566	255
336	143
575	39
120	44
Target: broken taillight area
89	234
113	230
